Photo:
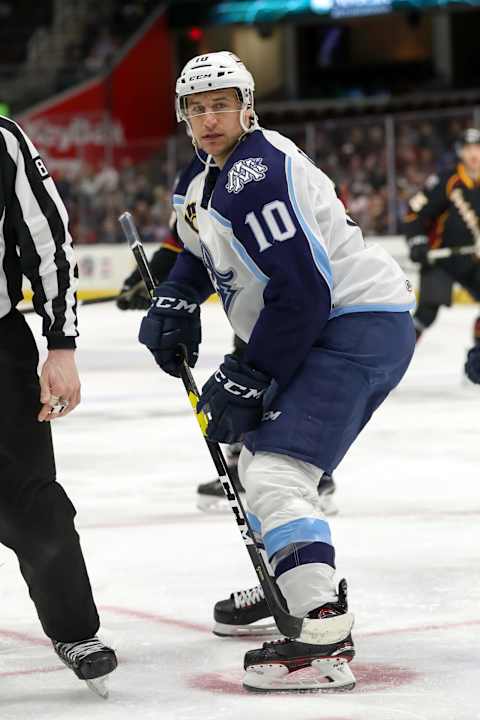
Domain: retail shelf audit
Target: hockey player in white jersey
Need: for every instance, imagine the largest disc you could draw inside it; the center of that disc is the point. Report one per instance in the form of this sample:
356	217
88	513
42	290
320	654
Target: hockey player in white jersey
328	331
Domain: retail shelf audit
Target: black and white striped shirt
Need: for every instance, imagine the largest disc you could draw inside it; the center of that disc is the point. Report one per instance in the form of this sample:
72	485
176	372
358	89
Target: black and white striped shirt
34	238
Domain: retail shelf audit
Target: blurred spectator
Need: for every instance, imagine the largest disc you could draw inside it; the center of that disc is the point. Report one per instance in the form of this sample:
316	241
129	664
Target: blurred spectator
352	153
101	53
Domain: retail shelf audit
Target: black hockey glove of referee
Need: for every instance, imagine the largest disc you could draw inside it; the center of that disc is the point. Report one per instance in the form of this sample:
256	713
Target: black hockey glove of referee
236	396
171	329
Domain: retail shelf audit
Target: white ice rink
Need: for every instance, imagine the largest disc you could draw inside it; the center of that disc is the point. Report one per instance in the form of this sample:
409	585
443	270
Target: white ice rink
407	539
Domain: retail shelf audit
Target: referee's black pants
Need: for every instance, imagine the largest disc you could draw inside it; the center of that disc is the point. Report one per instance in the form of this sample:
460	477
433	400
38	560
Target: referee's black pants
36	515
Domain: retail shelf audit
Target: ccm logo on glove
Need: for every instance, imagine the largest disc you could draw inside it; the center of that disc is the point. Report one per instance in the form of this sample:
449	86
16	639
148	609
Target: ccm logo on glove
239	390
171	303
172	329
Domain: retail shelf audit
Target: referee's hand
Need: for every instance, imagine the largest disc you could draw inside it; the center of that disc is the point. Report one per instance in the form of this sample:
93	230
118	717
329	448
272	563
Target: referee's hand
59	385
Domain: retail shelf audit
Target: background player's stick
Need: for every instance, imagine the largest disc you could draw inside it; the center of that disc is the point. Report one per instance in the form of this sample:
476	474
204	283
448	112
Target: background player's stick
102	299
288	625
446	252
81	303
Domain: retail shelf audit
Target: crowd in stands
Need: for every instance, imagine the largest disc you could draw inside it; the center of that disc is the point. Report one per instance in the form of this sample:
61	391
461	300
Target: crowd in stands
103	36
353	154
355	157
95	198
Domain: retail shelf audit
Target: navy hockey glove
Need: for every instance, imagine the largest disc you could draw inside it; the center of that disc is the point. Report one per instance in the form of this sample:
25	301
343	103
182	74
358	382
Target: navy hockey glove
171	329
419	247
234	396
472	365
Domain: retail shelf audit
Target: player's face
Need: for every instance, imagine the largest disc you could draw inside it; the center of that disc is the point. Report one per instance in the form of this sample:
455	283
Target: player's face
214	117
470	156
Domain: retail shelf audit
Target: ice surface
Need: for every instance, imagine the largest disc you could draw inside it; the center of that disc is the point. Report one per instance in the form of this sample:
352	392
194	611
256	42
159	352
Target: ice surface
407	538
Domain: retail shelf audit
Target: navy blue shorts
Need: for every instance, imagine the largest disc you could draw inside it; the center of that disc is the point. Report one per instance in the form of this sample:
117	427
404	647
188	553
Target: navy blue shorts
361	357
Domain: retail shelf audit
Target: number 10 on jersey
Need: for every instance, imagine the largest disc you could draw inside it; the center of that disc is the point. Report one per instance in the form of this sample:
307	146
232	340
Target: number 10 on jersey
278	222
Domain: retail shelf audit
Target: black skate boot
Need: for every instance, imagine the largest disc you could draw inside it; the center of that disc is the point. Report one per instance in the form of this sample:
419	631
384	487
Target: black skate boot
210	495
326	489
242	614
317	660
90	660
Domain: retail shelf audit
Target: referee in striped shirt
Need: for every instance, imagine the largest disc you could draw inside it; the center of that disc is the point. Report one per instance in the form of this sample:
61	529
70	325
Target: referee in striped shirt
36	515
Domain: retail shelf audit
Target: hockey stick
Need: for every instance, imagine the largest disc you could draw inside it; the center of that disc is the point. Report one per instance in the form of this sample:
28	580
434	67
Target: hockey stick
81	303
447	252
288	625
94	301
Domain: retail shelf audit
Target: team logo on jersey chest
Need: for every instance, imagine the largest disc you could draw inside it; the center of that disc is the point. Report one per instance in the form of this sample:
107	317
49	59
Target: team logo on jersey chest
191	216
245	171
223	282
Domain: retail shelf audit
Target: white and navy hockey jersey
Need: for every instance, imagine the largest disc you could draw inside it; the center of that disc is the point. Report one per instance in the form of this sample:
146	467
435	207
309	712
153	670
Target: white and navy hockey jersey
271	236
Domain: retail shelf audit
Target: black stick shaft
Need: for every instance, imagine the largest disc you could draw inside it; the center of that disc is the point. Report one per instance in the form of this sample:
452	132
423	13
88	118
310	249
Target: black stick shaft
288	625
81	303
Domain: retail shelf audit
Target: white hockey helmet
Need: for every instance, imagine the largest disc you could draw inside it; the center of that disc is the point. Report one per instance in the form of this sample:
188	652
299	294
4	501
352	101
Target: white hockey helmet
215	71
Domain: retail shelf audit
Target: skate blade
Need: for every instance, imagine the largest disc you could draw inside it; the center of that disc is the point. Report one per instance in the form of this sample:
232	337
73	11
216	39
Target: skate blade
324	675
99	686
252	630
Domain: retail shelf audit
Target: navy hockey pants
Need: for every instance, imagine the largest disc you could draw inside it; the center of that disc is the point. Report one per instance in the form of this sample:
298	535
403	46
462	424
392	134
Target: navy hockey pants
359	359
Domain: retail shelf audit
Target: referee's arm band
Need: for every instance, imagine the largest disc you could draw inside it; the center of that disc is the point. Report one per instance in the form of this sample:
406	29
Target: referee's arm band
60	342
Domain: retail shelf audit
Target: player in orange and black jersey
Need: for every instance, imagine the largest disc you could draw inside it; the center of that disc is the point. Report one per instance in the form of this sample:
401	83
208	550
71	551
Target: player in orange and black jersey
446	214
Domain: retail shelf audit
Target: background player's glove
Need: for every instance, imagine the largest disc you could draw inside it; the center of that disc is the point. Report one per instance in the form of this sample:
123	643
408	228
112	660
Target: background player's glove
135	293
234	395
419	247
171	329
472	364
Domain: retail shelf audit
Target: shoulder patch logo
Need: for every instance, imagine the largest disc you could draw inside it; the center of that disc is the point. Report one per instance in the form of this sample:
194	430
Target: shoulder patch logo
245	171
191	216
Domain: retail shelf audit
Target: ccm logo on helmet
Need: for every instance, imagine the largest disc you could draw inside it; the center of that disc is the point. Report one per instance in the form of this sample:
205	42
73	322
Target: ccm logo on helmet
200	77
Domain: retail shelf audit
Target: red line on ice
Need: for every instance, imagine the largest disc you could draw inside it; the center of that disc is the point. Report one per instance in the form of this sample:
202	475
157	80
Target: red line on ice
163	620
32	640
155	618
419	629
25	637
33	671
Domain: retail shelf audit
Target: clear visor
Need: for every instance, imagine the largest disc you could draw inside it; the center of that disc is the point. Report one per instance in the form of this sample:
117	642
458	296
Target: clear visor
195	108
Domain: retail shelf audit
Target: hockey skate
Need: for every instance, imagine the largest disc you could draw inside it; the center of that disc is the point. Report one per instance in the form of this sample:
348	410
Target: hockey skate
90	660
318	660
242	615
